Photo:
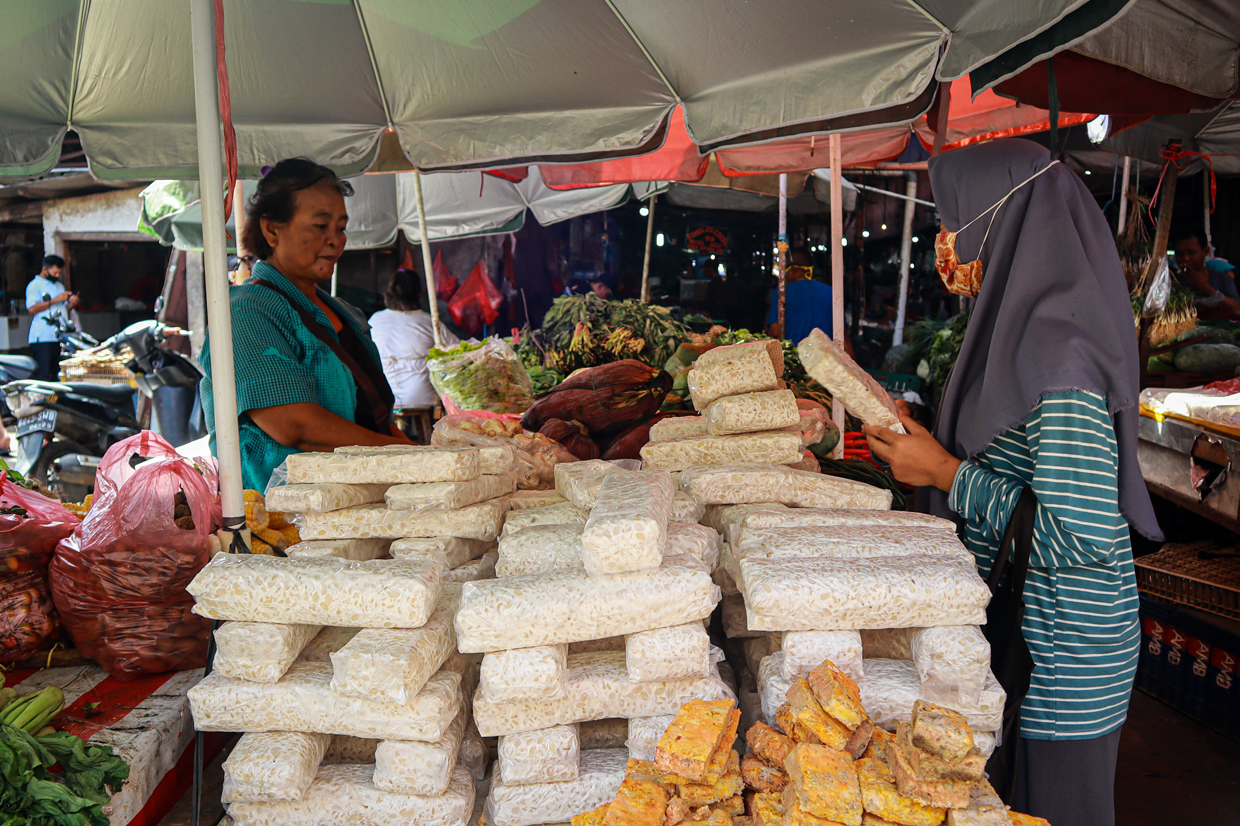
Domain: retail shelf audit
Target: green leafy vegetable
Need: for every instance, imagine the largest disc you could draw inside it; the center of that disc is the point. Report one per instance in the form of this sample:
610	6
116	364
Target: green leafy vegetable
31	794
486	376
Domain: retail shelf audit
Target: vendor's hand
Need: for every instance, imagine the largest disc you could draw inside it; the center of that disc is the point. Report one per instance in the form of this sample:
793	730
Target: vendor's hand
73	300
916	459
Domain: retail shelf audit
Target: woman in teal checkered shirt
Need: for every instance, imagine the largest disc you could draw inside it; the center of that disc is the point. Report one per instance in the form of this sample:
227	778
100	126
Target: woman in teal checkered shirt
292	341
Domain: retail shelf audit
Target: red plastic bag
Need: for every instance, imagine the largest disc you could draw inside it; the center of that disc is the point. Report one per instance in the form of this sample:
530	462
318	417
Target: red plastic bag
445	281
119	581
117	465
477	302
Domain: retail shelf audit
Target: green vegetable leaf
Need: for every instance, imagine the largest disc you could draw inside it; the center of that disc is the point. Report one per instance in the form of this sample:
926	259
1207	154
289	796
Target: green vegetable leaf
90	768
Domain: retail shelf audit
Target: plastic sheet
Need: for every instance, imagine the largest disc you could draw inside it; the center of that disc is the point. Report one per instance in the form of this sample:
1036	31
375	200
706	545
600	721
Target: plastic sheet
717	355
410	465
278	765
952	661
891	687
545	548
258	651
748	371
345	794
391	665
597	687
548	755
697	541
303	701
735	621
776	447
481	568
521	674
845	594
525	499
609	733
451	551
678	427
599	778
806	650
569	606
28	616
579	482
752	412
382	593
772	686
739	484
323	497
627	528
325	643
565	513
356	550
480	521
644	734
676	653
441	496
409	767
685	509
828	364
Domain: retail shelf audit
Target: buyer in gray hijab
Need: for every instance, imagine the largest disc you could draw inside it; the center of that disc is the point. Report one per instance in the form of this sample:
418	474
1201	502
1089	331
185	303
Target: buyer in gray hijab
1043	396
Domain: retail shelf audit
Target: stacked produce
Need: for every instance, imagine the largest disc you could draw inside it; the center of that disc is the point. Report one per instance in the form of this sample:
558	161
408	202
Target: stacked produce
597	613
338	662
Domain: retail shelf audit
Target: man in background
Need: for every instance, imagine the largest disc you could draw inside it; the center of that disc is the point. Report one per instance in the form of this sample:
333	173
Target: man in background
44	345
1213	281
807	303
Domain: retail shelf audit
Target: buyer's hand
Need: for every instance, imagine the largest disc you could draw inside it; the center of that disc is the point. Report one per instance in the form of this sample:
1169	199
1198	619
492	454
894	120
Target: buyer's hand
916	459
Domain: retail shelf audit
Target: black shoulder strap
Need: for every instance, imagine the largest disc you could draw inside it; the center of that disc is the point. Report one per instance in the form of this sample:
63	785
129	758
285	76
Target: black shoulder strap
1019	533
375	404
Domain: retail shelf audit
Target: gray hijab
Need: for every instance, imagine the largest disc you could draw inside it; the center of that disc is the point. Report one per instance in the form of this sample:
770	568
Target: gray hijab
1053	311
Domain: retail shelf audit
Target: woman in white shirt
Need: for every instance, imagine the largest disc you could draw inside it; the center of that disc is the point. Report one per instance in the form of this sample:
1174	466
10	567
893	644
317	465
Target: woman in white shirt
403	334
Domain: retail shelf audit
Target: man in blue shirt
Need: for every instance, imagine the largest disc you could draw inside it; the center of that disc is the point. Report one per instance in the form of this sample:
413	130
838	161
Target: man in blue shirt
807	303
44	345
1213	280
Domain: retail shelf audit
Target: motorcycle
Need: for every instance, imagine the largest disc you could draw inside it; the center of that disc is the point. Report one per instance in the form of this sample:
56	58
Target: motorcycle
64	428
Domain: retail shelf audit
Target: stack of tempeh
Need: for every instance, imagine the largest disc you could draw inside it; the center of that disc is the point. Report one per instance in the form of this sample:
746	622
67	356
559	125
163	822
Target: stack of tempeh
597	613
339	663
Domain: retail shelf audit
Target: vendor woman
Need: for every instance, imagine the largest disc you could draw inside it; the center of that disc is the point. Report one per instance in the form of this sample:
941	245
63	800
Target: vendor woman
309	378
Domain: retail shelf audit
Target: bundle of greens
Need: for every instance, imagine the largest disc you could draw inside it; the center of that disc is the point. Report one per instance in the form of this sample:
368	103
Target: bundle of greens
33	794
481	376
934	347
585	331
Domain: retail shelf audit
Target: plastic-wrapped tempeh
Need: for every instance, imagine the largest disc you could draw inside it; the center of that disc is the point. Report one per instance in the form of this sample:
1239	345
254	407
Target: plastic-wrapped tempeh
718	355
752	412
385	467
357	550
564	513
889	689
644	734
520	674
678	427
676	653
805	650
627	529
327	642
546	755
545	548
523	500
685	509
750	371
828	364
599	778
481	568
579	482
759	482
259	651
452	551
772	685
442	496
480	521
322	497
270	766
381	593
777	447
410	767
953	662
770	515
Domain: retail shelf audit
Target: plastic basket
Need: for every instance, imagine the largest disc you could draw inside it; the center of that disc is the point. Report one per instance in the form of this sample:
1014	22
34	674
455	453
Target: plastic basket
1179	574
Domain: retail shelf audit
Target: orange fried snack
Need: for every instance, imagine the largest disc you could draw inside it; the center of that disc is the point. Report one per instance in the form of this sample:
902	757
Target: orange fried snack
794	815
940	731
943	794
592	818
689	743
785	721
757	774
712	817
985	809
838	694
637	803
880	740
810	714
768	744
767	809
734	806
728	785
880	797
719	760
1026	820
825	784
929	768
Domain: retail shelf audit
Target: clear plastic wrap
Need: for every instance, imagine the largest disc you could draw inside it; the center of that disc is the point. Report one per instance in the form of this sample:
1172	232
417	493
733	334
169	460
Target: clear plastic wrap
952	661
494	459
303	701
752	412
777	447
322	497
748	371
521	674
598	780
548	755
828	364
356	550
327	642
697	541
811	429
345	794
740	517
609	733
531	457
772	685
739	484
774	350
571	605
675	653
442	496
678	427
627	528
480	376
451	551
597	687
846	594
381	593
406	465
565	513
480	521
278	765
481	568
350	750
545	548
523	500
805	650
409	767
258	651
474	753
685	509
986	742
735	621
891	687
729	519
644	734
579	482
390	665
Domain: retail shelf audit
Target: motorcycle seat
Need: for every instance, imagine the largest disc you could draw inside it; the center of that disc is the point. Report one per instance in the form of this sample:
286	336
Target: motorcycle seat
20	363
114	394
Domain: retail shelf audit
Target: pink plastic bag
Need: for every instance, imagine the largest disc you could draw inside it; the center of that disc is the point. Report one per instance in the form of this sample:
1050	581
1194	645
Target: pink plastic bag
117	465
477	302
445	281
119	581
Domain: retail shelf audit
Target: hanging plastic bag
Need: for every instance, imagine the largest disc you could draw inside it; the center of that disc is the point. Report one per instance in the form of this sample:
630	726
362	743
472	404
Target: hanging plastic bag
445	281
486	376
30	527
1159	292
119	581
477	302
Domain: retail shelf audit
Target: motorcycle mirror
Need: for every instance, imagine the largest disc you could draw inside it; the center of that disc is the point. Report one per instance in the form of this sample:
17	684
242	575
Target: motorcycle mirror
47	296
159	305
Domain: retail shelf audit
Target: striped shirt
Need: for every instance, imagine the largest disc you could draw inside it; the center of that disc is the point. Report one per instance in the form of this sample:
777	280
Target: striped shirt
1081	593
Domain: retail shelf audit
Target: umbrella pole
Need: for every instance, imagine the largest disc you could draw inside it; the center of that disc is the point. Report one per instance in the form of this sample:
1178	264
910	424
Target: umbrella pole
782	248
238	212
906	256
335	272
646	259
1205	191
427	265
837	272
1123	198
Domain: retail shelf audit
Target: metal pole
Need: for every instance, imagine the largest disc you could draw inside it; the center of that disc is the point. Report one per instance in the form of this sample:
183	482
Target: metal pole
1205	191
238	213
906	255
1123	198
783	250
427	265
335	272
646	260
837	272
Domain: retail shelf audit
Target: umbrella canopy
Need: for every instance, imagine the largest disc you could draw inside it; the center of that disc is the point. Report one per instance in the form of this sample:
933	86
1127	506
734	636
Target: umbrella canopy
1215	134
458	205
477	83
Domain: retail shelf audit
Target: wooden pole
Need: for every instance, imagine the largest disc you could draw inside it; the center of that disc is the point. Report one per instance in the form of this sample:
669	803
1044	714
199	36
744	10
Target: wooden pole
646	260
427	265
906	257
1162	234
837	272
1123	198
783	250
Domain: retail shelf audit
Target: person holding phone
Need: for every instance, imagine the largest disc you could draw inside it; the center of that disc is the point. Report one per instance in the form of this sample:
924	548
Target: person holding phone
44	295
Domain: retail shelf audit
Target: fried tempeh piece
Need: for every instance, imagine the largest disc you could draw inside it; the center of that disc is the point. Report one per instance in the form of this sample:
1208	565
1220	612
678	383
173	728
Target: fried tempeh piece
638	803
943	794
825	783
880	797
690	742
860	740
838	694
940	731
810	714
928	768
756	774
768	745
